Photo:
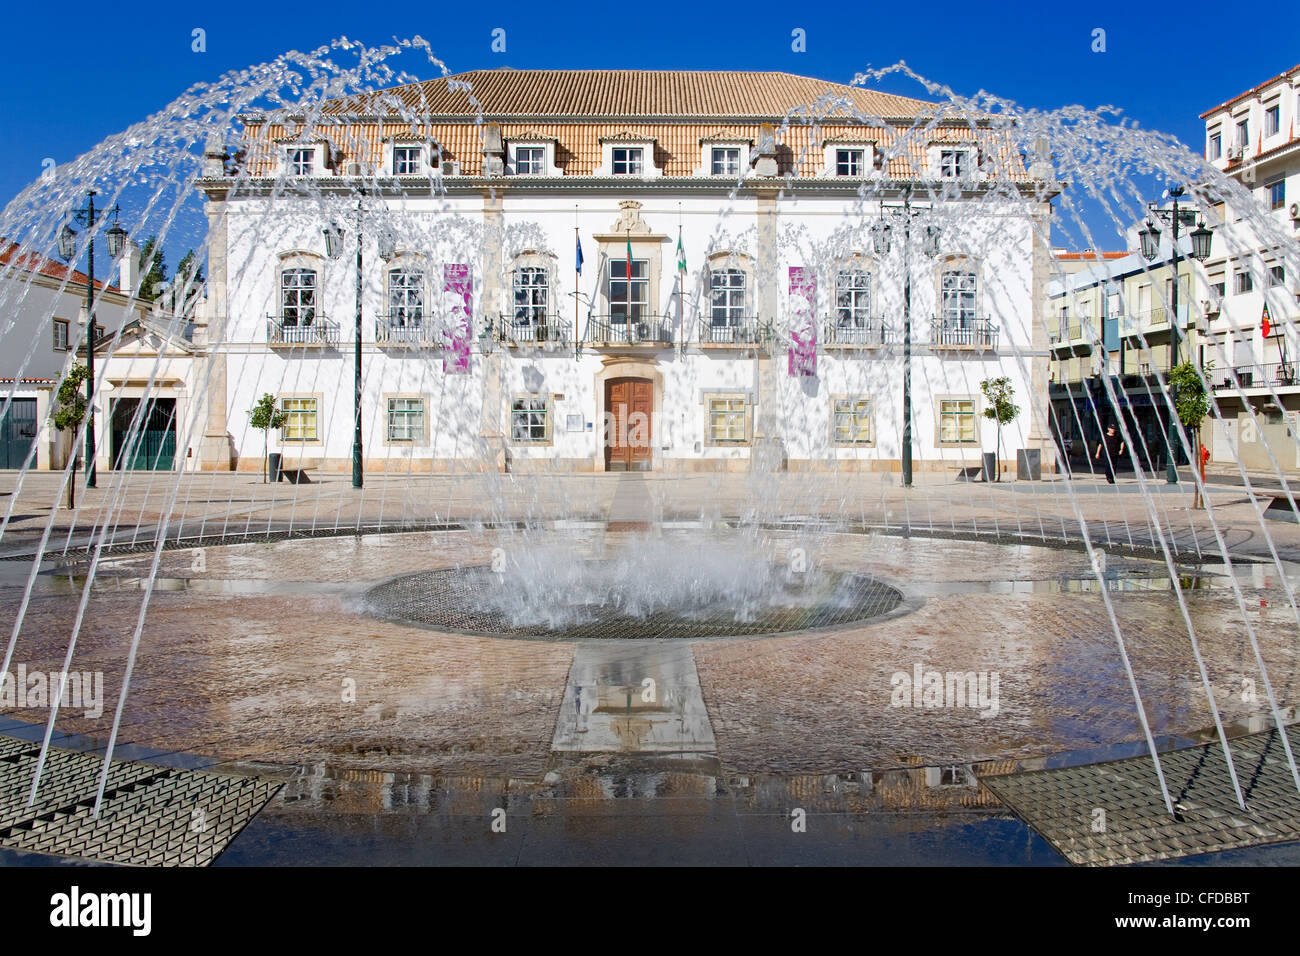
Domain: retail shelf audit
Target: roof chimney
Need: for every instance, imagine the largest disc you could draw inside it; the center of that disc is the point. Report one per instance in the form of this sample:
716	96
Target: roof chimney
128	268
766	164
494	153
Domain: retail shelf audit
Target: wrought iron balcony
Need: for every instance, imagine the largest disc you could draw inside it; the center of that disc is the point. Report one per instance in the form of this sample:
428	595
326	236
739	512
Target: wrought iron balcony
1272	375
963	333
862	333
301	328
651	330
534	330
407	330
738	330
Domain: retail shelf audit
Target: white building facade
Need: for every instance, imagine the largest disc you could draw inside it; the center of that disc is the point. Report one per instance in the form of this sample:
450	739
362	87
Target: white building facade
763	325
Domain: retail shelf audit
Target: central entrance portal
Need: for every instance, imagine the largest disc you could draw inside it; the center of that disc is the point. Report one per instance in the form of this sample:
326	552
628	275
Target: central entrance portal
629	408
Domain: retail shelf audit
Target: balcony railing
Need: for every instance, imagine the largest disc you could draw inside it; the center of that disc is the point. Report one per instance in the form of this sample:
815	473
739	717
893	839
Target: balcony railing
406	330
299	331
1272	375
646	330
871	332
741	330
534	330
967	333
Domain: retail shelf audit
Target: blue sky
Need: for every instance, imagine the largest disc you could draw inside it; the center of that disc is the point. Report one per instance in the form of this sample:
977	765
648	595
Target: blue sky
81	71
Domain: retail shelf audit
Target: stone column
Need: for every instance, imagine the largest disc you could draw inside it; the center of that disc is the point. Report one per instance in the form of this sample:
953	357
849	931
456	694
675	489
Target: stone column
768	451
493	439
211	332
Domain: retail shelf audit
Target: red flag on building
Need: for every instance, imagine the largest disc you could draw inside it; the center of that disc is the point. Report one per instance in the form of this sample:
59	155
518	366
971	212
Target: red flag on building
1264	321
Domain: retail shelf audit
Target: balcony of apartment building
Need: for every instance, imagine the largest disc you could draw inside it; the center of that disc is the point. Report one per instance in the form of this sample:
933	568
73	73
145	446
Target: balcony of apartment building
963	334
406	330
1153	324
732	331
301	328
858	332
628	329
1256	378
534	329
1074	338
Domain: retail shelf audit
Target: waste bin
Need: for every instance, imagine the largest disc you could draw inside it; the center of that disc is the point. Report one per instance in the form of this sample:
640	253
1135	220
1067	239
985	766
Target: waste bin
273	467
1029	464
990	470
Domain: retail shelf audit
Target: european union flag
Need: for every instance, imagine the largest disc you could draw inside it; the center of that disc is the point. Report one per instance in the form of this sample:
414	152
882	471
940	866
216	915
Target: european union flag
579	244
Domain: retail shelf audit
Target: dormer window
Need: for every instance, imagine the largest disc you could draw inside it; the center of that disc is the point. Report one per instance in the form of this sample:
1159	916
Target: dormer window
954	163
725	161
627	160
530	160
302	161
406	161
850	162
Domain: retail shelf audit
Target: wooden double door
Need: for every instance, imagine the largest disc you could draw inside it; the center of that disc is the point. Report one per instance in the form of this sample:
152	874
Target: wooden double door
629	413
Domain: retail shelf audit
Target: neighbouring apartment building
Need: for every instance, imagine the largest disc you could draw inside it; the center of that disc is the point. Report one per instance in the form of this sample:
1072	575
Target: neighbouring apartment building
622	270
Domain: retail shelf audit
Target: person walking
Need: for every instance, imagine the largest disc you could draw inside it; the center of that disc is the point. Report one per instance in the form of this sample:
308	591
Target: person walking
1113	446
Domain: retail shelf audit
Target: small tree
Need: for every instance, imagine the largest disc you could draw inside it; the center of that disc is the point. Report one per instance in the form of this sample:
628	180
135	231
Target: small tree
71	413
1192	402
1001	409
152	258
265	416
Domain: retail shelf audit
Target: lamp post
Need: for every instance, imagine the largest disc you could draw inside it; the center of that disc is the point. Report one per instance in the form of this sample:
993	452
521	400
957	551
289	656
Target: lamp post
1149	238
881	236
334	234
115	238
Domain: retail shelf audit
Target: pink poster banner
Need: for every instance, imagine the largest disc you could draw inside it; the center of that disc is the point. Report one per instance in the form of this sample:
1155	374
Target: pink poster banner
803	338
456	283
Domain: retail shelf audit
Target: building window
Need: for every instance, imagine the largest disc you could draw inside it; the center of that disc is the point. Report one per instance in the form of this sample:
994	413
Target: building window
1243	283
727	420
405	298
302	162
853	299
957	420
958	299
952	163
1216	146
851	420
531	295
627	161
628	301
405	419
297	297
1218	288
406	160
1276	275
1272	120
301	425
1243	134
1276	193
530	160
849	162
530	420
726	161
1065	324
726	297
61	335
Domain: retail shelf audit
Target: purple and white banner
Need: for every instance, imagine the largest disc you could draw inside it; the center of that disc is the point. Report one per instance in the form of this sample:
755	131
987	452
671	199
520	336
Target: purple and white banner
459	288
803	337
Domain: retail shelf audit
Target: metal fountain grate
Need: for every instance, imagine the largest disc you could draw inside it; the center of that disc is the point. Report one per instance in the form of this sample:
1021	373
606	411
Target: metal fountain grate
151	815
446	600
1112	813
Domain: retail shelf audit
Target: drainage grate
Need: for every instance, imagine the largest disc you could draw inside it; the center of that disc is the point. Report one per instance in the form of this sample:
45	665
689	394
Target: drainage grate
151	815
1113	813
450	600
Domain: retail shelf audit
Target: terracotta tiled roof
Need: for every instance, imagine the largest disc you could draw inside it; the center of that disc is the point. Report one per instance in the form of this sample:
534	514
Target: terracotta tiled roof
12	254
599	93
1090	255
1253	91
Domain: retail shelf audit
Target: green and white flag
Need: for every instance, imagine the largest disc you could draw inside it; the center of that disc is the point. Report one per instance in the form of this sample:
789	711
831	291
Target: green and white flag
681	253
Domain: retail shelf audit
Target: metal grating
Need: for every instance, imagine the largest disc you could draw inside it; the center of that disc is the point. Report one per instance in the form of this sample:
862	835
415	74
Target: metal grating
151	815
447	601
1112	813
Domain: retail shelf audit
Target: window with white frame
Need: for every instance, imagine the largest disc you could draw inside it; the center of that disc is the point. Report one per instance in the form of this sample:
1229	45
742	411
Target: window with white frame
530	160
405	419
725	161
1276	191
405	298
954	163
1215	150
958	288
61	335
1243	282
628	301
627	160
302	161
406	161
301	424
957	420
851	420
726	297
532	295
853	298
850	162
1243	134
1272	120
297	297
530	420
1064	335
728	420
1276	276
